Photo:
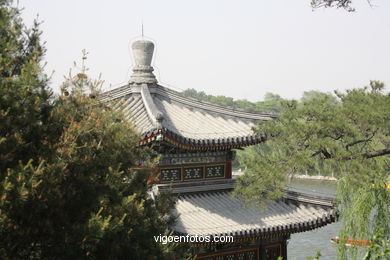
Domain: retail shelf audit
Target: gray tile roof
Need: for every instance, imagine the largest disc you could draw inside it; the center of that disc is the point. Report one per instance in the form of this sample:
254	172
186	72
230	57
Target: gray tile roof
134	110
155	109
207	208
218	213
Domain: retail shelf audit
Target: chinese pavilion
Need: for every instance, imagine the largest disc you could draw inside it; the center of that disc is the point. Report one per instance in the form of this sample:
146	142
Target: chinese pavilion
196	140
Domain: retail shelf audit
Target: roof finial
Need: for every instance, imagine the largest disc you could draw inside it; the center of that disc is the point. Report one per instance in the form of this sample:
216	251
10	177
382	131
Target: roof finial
142	29
143	54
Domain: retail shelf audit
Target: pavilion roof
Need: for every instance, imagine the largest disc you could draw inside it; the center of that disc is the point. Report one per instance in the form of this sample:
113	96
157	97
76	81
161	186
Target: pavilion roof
213	211
162	114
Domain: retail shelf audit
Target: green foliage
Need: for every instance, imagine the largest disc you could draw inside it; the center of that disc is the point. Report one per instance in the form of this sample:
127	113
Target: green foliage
350	138
379	250
317	95
68	186
272	102
84	199
317	257
24	96
269	183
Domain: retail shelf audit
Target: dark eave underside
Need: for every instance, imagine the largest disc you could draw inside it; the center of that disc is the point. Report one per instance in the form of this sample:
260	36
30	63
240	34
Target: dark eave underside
171	138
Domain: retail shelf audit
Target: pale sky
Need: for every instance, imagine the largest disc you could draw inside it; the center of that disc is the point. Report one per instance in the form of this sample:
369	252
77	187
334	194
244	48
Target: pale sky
241	49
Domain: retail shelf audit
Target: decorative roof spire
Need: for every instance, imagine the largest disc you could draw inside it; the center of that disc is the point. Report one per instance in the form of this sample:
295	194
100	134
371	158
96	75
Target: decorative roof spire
142	70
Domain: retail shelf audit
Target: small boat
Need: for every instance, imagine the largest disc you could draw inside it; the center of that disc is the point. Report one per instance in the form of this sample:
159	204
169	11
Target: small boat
351	241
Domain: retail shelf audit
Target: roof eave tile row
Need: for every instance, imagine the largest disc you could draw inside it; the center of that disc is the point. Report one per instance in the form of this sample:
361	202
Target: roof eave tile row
199	144
277	231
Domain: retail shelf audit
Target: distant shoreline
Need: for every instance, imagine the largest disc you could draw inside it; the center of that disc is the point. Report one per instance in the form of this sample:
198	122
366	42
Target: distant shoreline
298	176
313	177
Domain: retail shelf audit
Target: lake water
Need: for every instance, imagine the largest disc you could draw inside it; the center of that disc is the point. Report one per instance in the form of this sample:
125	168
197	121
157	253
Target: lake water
308	243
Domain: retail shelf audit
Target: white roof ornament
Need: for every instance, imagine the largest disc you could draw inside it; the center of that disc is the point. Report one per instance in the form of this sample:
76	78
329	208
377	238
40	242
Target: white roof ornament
142	70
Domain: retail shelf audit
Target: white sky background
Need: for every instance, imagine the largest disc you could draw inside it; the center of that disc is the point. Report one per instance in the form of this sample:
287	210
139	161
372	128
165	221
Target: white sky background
241	49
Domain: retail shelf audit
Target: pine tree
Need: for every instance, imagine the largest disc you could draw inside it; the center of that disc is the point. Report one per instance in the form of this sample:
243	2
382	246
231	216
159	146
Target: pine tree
350	138
24	95
68	184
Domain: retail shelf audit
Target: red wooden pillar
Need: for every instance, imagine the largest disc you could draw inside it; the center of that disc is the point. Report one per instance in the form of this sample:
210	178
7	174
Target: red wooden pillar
228	169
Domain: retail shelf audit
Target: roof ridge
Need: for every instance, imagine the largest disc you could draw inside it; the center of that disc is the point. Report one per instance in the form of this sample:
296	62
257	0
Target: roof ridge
154	114
213	107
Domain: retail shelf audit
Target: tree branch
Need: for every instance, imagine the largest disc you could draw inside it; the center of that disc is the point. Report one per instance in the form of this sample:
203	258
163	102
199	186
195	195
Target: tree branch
324	152
367	155
356	142
377	153
361	141
335	138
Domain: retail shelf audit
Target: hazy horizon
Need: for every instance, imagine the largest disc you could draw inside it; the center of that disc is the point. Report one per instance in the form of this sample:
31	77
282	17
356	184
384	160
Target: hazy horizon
236	49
